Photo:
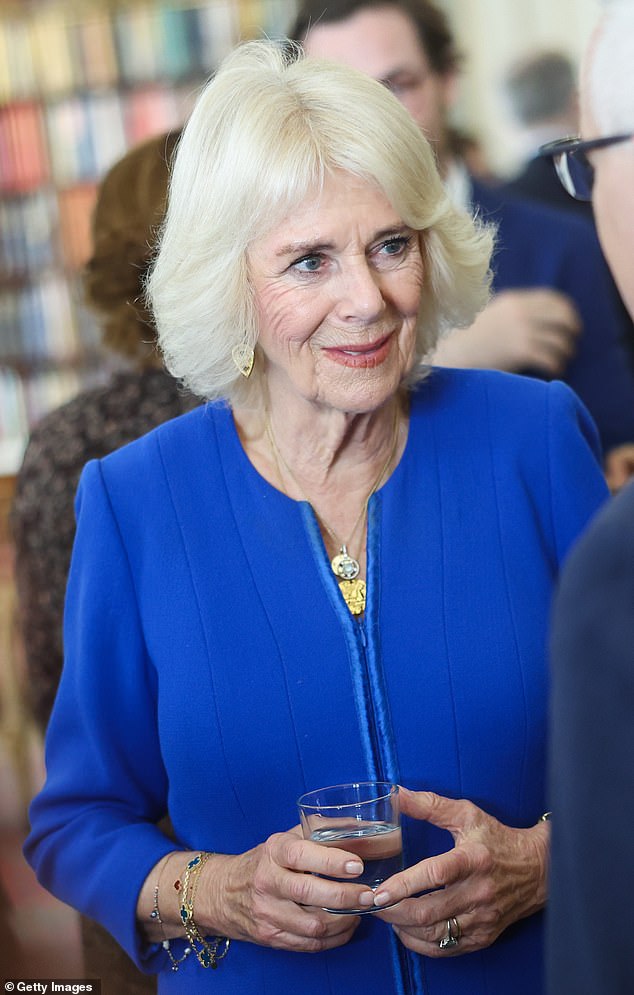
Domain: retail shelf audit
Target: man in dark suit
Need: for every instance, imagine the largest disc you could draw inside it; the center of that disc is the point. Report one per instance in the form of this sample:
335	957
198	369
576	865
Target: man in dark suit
551	314
538	181
590	949
542	93
537	249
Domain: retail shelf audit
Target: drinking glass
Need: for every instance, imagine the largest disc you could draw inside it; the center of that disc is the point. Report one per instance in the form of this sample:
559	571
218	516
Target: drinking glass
362	817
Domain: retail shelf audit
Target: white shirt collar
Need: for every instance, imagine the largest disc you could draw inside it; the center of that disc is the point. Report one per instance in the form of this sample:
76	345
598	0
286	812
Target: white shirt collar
458	185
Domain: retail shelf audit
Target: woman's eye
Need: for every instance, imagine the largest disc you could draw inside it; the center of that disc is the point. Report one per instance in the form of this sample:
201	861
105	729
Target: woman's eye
308	264
393	248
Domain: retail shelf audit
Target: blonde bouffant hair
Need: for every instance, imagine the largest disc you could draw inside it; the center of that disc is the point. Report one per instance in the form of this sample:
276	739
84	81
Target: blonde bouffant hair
128	213
263	136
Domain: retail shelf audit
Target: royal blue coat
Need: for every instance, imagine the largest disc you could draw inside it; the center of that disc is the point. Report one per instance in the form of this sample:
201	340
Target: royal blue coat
213	670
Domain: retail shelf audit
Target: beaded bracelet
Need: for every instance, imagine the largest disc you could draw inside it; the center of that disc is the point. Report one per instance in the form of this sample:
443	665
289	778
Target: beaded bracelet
155	916
206	950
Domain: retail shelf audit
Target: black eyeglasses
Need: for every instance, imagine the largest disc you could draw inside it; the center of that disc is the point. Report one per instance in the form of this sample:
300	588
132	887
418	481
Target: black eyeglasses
570	158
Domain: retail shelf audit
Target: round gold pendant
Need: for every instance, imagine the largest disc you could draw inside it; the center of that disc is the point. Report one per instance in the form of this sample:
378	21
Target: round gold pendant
354	595
345	566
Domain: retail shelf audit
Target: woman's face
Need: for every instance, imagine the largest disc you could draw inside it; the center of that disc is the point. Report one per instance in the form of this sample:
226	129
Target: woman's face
337	289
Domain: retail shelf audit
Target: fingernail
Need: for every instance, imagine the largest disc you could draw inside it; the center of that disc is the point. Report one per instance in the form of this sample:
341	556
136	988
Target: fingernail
367	898
382	898
354	867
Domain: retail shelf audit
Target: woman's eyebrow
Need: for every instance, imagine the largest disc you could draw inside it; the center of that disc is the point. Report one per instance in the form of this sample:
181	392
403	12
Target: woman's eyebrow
295	248
399	228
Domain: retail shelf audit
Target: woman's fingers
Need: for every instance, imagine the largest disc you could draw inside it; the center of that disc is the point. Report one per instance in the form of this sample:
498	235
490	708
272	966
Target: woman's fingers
311	931
462	819
304	855
428	943
495	875
455	814
277	899
283	923
335	868
430	875
307	889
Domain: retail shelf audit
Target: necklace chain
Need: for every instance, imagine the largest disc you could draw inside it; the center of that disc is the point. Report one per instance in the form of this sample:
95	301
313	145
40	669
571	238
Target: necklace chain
344	566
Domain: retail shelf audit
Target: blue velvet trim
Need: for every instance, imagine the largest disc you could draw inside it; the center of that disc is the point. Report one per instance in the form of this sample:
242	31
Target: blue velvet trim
399	960
387	758
415	963
368	681
407	965
408	970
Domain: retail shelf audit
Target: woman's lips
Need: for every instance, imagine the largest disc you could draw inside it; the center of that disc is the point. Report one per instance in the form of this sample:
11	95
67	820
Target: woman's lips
361	356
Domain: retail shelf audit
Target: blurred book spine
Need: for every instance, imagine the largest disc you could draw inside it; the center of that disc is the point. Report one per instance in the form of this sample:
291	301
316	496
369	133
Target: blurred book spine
96	49
24	161
81	81
53	49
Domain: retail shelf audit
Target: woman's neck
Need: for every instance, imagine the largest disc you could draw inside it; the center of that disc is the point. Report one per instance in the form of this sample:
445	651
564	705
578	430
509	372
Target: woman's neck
331	459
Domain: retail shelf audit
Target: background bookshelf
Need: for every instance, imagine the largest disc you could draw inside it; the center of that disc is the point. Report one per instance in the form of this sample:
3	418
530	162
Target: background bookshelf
81	81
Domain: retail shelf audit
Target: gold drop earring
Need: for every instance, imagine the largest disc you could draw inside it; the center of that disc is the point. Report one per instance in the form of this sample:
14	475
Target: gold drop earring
244	358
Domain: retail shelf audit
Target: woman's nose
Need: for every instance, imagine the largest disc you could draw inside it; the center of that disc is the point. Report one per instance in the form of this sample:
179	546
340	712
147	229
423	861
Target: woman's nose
360	294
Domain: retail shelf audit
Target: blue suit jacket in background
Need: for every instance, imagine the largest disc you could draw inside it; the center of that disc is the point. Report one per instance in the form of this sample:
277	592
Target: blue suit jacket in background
539	246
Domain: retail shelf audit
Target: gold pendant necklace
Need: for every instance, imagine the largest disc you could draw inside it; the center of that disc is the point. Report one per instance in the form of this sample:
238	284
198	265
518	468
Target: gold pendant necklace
344	566
354	595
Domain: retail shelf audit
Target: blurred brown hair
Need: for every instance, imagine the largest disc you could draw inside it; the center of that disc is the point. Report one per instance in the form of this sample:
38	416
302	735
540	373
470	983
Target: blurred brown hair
128	213
430	21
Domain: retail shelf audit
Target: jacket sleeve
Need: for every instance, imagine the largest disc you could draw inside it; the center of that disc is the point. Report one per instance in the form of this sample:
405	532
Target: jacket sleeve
93	837
577	483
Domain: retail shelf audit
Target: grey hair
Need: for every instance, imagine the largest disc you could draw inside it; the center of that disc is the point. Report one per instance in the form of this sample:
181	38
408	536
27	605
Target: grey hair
264	134
541	87
609	69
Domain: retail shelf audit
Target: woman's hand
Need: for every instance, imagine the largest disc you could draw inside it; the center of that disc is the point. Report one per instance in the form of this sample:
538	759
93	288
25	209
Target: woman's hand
269	896
493	876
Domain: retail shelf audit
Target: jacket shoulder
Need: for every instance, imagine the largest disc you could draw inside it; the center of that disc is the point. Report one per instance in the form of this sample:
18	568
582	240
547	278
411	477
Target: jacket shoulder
545	221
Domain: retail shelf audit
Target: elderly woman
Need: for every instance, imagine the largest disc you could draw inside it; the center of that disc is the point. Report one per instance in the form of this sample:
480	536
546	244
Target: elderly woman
338	569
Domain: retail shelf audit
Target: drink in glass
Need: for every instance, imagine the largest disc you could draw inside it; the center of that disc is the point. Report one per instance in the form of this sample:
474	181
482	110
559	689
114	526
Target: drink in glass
363	818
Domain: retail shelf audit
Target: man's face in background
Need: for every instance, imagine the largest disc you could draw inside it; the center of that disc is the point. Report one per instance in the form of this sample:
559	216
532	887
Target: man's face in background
383	43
